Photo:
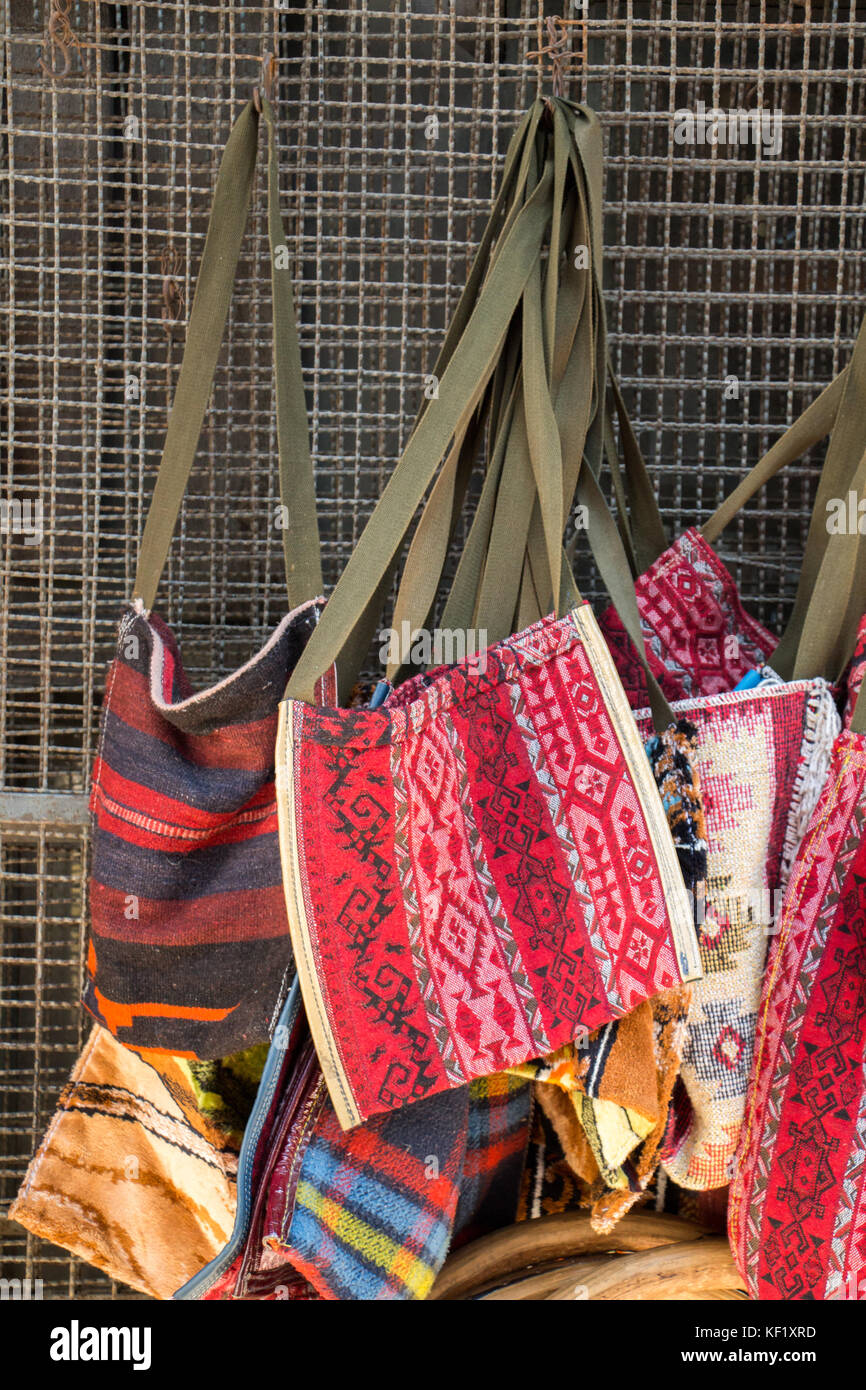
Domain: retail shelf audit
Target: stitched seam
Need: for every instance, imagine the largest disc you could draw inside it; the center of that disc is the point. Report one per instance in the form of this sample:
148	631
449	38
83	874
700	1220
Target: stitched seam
169	831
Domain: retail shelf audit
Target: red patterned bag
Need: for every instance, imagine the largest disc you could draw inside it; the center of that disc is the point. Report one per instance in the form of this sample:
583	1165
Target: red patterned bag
797	1214
760	775
475	876
699	638
479	869
797	1207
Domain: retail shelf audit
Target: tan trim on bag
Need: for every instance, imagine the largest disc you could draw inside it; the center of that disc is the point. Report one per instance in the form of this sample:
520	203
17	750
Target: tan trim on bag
303	942
679	909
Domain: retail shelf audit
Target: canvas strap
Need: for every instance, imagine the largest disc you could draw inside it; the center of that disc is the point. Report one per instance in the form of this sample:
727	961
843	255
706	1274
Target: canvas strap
482	369
461	387
204	336
858	716
830	595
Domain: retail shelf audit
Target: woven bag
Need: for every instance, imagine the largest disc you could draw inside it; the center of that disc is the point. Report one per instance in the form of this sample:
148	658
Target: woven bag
474	875
369	1214
700	640
741	752
131	1175
798	1202
797	1212
190	950
324	1222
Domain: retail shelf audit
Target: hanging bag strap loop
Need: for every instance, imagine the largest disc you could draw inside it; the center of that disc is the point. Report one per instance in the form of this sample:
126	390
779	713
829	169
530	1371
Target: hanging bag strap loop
205	330
460	389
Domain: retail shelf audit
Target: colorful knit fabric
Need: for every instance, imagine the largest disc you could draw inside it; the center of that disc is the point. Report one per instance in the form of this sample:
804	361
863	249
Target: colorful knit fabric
372	1212
699	638
609	1103
496	1137
130	1175
556	1178
550	1183
376	1208
761	756
473	877
190	948
225	1088
797	1219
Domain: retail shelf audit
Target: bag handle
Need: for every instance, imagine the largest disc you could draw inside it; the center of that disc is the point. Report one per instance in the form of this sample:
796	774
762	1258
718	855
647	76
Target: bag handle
207	320
460	389
443	506
429	547
807	430
819	631
639	515
558	471
837	603
513	593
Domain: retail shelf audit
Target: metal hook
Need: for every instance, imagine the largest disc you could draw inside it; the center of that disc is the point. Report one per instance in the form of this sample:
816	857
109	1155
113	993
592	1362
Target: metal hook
266	81
562	61
60	39
172	293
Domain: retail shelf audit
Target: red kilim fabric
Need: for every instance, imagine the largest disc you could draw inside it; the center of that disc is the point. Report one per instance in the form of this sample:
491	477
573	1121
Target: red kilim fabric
699	638
479	873
797	1214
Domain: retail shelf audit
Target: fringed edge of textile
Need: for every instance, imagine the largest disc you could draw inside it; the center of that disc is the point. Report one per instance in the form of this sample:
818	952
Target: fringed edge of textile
821	726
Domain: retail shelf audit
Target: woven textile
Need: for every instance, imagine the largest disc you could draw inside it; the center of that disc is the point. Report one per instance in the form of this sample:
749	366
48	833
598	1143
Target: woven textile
376	1207
190	945
130	1176
496	1138
619	1081
473	877
699	638
761	759
608	1102
550	1183
370	1214
797	1216
855	673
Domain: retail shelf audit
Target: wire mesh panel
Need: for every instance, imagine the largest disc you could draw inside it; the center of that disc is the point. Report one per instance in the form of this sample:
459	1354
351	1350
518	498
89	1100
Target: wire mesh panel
734	279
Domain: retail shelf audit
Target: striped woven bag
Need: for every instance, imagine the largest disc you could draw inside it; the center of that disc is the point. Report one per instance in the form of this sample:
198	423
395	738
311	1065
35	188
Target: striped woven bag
189	950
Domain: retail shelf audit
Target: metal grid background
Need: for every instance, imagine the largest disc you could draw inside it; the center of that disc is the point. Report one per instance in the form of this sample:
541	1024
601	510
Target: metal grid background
719	262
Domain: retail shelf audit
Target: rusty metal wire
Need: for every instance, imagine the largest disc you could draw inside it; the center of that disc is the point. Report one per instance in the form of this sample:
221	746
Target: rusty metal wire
721	263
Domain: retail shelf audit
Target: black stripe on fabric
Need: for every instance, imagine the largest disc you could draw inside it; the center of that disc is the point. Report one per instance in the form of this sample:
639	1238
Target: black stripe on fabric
600	1050
241	867
212	975
148	762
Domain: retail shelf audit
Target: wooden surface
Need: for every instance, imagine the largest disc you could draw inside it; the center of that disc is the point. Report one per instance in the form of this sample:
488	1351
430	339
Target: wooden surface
516	1250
